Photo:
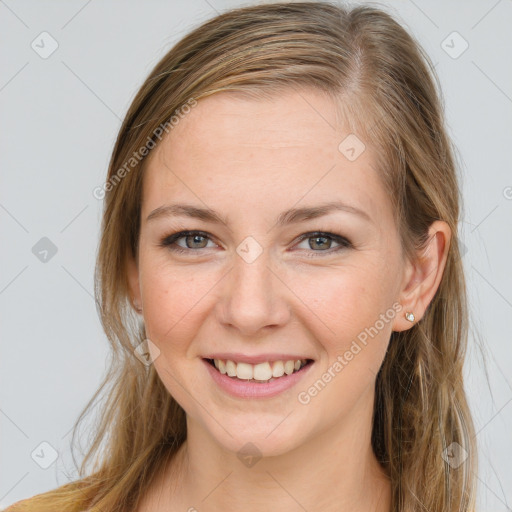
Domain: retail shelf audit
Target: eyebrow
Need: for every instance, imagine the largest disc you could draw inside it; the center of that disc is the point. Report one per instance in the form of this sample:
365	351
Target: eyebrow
290	216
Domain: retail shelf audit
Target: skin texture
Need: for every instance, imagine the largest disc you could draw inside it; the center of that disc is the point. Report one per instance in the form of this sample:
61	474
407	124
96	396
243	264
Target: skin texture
250	160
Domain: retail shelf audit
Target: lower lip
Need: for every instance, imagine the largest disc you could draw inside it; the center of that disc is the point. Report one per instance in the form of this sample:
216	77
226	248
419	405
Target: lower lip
246	389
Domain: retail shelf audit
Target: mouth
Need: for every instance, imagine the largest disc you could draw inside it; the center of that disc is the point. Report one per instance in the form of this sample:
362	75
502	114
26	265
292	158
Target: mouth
261	373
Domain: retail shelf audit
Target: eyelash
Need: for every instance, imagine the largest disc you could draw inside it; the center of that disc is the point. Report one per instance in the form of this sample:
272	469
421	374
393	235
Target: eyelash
169	241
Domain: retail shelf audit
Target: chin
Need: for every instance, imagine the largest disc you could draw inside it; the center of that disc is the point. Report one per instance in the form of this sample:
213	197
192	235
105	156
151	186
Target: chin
257	439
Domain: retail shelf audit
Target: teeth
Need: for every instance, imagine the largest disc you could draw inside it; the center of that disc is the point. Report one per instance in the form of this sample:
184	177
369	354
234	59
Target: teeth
288	367
230	368
278	369
244	371
262	372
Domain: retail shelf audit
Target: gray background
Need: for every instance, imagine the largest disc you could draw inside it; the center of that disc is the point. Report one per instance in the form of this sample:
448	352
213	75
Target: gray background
60	116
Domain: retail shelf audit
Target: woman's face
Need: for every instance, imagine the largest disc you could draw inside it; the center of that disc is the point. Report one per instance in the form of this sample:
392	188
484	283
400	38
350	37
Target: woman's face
260	285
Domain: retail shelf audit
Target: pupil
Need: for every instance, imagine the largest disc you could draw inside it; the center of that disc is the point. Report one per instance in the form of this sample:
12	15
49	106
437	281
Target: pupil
196	238
320	238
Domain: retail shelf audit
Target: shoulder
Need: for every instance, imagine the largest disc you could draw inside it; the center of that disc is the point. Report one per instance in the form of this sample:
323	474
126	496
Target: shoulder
45	502
19	506
72	496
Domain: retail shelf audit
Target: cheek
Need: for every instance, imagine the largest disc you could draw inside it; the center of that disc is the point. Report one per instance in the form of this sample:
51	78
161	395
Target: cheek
173	299
356	312
355	308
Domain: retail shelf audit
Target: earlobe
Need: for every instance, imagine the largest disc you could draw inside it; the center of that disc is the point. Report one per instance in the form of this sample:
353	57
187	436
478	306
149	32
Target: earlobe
133	283
423	276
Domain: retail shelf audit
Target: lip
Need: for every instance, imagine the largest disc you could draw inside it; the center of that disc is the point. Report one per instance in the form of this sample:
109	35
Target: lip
245	389
259	358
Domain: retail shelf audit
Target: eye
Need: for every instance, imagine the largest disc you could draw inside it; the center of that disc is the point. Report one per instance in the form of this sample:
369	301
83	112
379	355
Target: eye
321	242
318	242
193	240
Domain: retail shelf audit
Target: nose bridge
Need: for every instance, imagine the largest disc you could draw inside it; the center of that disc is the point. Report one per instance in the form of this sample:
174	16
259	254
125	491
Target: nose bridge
253	298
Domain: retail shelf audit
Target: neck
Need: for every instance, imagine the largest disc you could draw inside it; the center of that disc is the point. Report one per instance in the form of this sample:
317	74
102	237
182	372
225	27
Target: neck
335	471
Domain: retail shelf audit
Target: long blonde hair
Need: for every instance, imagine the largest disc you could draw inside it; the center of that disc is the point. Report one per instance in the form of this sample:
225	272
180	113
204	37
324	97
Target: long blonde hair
384	81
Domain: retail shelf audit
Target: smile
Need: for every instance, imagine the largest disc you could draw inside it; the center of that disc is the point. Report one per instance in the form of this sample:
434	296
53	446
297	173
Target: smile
261	372
262	380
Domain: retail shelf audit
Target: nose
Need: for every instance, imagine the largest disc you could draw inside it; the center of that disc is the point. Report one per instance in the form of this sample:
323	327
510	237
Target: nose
254	298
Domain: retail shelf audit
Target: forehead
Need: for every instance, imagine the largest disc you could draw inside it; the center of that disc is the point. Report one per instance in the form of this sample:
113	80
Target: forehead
256	154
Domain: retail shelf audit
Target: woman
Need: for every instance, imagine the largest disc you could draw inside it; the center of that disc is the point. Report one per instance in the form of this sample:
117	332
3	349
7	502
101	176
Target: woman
279	277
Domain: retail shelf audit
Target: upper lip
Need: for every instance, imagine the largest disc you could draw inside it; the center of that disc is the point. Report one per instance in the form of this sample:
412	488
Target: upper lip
255	359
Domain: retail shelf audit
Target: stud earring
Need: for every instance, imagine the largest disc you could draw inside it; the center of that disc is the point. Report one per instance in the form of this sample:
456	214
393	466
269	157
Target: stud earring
409	316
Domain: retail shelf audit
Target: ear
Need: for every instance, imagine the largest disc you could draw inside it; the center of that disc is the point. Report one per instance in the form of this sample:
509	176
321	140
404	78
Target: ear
132	269
423	275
